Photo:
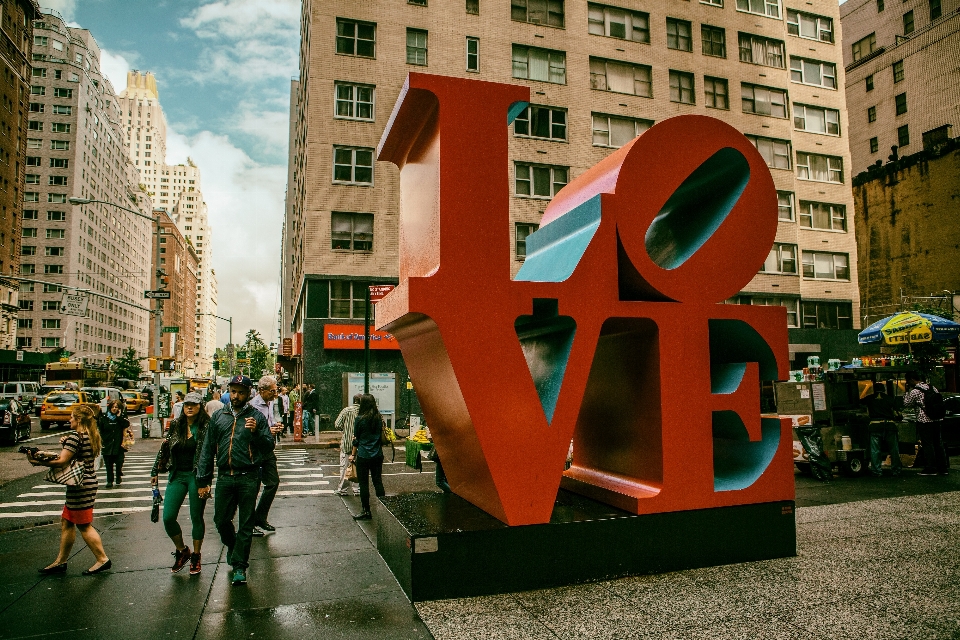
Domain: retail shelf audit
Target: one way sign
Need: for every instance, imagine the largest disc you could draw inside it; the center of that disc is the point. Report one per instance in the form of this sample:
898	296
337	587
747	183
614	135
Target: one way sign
74	304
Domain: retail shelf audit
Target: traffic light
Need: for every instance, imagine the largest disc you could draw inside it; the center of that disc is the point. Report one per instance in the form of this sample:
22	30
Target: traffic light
216	364
152	364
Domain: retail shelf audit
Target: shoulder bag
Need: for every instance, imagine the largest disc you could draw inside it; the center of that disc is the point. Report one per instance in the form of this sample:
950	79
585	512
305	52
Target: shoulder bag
70	475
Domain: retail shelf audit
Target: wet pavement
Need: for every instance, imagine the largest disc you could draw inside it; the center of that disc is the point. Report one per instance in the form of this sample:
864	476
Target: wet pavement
878	558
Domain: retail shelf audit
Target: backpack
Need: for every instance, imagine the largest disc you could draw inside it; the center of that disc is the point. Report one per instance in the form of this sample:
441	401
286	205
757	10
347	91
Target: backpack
933	403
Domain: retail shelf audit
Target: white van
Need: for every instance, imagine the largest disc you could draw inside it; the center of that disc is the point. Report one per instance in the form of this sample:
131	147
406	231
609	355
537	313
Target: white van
25	392
105	394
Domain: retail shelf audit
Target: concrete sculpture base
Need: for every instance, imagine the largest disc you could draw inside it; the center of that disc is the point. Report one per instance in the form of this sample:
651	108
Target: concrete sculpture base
441	546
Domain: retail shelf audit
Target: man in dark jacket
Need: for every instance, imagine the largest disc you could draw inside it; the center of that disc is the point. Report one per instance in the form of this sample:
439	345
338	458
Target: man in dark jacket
237	440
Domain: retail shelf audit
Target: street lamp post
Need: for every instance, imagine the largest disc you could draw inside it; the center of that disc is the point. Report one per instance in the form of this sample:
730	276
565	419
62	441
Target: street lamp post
230	338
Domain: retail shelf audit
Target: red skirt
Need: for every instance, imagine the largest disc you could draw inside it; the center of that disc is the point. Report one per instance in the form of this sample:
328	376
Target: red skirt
77	516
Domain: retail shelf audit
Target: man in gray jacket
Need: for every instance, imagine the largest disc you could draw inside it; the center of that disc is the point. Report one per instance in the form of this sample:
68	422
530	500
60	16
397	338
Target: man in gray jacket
237	439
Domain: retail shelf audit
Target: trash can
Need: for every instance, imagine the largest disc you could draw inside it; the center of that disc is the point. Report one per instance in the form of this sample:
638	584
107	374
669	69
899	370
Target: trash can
144	427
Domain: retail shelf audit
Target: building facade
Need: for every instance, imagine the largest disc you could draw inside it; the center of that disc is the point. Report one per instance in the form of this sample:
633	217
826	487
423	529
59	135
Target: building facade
178	261
599	75
76	149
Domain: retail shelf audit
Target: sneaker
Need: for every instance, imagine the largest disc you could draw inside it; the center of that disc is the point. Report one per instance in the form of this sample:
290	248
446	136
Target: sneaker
109	485
194	564
181	558
266	526
257	532
239	577
341	492
363	515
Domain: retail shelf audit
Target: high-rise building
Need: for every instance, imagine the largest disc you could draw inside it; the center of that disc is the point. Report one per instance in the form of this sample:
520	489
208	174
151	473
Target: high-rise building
175	188
17	26
599	75
178	261
76	149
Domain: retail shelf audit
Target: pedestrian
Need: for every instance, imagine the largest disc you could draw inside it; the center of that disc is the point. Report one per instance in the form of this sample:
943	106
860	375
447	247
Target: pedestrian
284	406
236	440
178	405
345	422
308	398
83	446
367	452
294	399
112	425
883	427
183	444
269	475
214	404
930	430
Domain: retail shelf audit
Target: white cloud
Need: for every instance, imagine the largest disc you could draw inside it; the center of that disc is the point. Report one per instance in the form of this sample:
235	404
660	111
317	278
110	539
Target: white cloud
115	66
271	127
245	201
66	8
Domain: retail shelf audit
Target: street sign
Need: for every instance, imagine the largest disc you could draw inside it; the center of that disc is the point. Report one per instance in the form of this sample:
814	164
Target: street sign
287	349
170	330
378	291
161	295
74	304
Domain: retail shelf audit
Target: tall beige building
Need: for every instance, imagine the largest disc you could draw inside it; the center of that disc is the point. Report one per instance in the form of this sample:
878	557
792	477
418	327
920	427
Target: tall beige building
175	189
76	148
599	74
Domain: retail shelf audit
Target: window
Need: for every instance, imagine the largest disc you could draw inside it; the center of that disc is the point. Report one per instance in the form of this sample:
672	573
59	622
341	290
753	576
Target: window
678	35
523	230
39	41
28	232
52	288
880	6
781	259
25	323
38	91
35	125
826	266
417	47
32	178
473	54
26	305
935	10
53	251
59	181
898	71
874	145
53	268
763	51
57	198
616	131
763	101
812	166
714	41
681	87
713	3
23	343
871	114
823	215
619	23
816	119
31	196
546	12
810	26
814	72
546	65
791	305
56	233
775	152
26	250
868	81
60	127
539	181
353	101
785	205
421	3
356	38
36	107
60	145
39	72
827	315
351	231
62	93
34	143
336	299
352	165
62	110
903	136
908	24
27	269
50	305
473	7
769	8
541	122
48	323
931	138
864	47
49	342
60	163
29	214
57	216
715	93
901	101
620	77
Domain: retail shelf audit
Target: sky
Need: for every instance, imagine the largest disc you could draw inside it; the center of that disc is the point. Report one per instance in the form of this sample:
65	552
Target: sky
223	70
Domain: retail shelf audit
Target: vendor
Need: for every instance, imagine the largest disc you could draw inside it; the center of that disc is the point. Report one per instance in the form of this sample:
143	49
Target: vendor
882	410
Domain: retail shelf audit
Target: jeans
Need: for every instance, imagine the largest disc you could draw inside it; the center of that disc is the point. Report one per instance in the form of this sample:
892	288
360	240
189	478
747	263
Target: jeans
111	463
238	492
372	467
812	441
934	454
180	485
307	422
270	478
885	432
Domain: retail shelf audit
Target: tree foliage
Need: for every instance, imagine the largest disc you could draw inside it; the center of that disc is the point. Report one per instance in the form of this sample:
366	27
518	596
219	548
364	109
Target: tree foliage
128	365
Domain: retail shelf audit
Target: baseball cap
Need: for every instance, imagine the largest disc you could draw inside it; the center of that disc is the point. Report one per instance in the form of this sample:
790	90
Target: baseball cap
193	397
243	381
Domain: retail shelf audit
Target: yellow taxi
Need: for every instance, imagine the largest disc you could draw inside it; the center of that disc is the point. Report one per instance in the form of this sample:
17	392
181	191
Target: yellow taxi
57	406
136	401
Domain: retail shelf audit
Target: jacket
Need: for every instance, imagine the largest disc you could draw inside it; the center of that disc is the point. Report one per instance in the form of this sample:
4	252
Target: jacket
235	449
111	434
172	441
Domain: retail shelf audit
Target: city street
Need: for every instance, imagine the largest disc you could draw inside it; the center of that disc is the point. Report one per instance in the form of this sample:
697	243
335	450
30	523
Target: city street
876	559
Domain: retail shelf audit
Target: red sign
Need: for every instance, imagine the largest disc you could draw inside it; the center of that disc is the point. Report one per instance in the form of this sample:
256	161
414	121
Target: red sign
350	336
378	291
286	350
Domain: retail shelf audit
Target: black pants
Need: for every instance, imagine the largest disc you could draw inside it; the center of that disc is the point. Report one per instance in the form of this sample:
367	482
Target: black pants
236	493
370	467
934	455
114	465
270	478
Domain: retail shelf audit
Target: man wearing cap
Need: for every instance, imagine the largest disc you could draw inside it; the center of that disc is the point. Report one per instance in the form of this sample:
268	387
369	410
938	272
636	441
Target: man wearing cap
269	475
237	440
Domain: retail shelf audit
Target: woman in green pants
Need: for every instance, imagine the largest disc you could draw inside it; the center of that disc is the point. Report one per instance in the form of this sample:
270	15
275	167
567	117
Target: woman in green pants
180	453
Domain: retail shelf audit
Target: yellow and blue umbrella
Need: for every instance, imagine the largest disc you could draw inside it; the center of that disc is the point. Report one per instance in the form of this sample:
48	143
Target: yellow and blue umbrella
909	327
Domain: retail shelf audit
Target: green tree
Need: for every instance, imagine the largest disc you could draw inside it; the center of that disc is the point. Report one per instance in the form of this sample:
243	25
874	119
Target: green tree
128	365
258	353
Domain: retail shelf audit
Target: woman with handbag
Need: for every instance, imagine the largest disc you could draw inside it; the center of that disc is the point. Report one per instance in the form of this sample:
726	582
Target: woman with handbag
179	454
113	426
75	465
367	452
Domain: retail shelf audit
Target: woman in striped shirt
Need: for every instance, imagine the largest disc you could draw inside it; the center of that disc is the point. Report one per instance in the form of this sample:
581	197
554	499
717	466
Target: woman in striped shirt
84	446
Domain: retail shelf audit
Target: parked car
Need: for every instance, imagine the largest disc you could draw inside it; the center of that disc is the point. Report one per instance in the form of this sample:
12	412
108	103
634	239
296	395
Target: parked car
106	394
25	392
951	422
135	401
57	406
14	421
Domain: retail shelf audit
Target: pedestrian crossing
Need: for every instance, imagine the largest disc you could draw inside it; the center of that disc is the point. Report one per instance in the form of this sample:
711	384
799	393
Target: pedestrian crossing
298	477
